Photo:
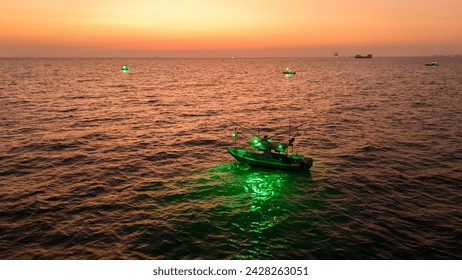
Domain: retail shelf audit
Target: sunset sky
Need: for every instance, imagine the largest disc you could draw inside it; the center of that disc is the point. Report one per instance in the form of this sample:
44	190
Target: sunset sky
216	28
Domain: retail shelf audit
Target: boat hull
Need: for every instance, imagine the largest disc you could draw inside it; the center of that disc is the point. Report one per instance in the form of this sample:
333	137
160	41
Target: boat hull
276	161
363	56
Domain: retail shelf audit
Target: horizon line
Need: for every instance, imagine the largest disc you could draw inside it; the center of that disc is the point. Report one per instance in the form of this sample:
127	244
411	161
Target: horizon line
231	57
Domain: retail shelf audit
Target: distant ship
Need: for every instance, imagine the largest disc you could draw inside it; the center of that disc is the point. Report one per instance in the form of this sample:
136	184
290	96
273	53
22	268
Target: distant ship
363	56
336	54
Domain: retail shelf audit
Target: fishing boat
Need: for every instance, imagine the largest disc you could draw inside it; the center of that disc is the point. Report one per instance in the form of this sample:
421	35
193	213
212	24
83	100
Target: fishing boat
288	72
434	63
363	56
266	154
292	162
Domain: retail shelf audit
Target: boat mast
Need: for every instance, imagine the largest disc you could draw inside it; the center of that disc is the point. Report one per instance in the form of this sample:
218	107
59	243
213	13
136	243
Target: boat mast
235	136
287	150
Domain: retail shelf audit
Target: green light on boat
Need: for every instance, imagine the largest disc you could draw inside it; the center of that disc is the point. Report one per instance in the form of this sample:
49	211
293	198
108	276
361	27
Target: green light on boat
255	143
125	68
280	148
234	135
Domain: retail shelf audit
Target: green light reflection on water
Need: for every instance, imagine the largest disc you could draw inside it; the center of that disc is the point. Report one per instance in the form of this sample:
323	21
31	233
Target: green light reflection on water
258	202
261	191
243	212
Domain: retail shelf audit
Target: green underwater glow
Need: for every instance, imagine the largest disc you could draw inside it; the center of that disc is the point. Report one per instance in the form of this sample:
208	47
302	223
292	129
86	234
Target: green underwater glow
263	185
245	207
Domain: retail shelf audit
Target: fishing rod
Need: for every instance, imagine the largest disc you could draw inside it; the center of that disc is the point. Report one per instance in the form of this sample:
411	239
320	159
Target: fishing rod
290	129
245	129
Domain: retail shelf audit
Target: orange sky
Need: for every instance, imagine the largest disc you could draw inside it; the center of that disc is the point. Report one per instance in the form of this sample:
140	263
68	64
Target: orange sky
225	27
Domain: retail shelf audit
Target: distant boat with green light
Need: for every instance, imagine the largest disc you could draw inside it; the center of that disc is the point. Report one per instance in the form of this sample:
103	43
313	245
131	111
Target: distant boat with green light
434	63
288	72
269	155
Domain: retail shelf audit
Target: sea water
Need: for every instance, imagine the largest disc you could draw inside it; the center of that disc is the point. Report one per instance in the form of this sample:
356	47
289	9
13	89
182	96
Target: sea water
96	163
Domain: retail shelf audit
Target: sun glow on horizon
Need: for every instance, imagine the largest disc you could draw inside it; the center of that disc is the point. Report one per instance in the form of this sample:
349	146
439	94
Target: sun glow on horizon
206	24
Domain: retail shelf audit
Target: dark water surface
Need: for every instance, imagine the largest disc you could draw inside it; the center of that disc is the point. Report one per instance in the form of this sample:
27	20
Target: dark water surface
100	164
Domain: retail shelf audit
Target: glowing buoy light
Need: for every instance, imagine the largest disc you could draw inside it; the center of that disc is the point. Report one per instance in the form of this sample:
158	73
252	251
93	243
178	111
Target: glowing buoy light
125	68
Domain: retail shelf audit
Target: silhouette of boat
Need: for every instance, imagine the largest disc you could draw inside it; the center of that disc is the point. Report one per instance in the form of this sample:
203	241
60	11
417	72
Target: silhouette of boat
363	56
434	63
